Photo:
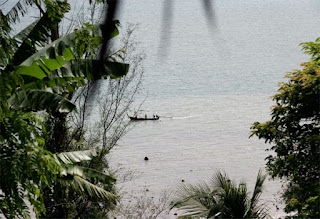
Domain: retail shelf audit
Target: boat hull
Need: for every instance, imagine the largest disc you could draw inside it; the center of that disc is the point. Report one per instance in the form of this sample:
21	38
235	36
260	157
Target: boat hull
141	119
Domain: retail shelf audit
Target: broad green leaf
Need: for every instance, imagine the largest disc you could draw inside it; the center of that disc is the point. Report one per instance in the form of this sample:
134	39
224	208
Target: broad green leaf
60	45
36	35
55	55
34	70
52	64
67	54
60	60
116	69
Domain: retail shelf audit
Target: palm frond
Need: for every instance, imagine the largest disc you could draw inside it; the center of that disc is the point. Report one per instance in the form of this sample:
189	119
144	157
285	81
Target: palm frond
20	7
215	210
189	191
23	34
84	187
235	200
258	188
261	211
86	173
221	181
194	199
77	156
193	208
37	100
222	199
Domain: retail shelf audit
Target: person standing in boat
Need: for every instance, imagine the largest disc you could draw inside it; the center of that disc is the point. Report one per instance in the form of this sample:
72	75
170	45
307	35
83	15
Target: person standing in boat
145	116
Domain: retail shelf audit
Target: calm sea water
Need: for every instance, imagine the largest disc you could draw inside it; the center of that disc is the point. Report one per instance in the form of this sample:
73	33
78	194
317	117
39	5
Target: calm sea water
209	81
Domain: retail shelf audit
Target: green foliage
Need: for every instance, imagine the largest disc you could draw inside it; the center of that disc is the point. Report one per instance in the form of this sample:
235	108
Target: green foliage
75	175
56	10
83	46
77	156
312	48
222	198
25	165
54	69
36	78
19	8
40	33
41	100
294	135
57	68
27	168
6	42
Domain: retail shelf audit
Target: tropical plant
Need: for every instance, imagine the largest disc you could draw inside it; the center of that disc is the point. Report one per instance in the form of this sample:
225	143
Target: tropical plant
101	117
77	182
25	166
293	132
222	198
38	77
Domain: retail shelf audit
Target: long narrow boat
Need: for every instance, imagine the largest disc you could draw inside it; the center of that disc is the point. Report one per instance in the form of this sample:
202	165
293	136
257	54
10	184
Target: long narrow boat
141	118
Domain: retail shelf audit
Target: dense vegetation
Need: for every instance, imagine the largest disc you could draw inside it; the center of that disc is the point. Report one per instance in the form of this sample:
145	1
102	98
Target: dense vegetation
293	132
39	74
50	165
222	198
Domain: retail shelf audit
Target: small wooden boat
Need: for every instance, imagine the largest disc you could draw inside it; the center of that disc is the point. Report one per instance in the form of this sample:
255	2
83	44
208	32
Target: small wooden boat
143	118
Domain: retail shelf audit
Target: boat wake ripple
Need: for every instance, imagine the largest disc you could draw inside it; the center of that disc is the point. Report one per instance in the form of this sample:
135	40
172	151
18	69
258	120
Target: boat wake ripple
185	117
